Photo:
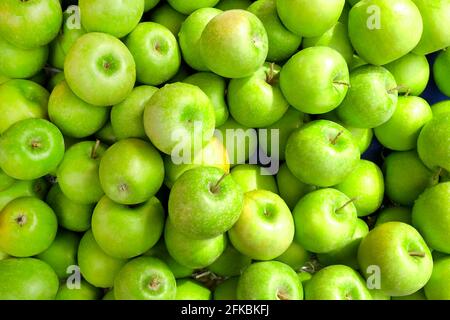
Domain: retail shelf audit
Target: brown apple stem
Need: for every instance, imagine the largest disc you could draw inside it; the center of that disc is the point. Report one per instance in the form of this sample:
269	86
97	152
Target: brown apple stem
342	83
202	275
270	76
94	149
346	204
417	254
408	92
397	88
334	140
215	188
282	296
439	172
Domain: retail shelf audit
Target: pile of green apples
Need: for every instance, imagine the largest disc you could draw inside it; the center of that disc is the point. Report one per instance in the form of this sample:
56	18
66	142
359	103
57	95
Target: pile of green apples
97	97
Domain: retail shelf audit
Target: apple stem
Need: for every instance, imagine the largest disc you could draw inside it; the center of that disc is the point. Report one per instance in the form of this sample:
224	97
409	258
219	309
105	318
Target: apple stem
417	254
215	188
438	173
408	92
94	149
346	203
270	76
342	83
397	88
282	296
202	275
334	140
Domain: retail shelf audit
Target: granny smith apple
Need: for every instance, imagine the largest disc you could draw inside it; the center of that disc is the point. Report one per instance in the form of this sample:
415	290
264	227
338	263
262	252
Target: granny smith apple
99	69
379	295
30	149
401	131
5	181
400	214
234	44
312	86
106	134
233	4
441	108
430	215
438	287
227	290
150	4
230	263
356	62
86	291
55	80
188	289
406	177
187	7
168	17
116	18
295	256
23	188
28	227
109	295
253	177
400	255
418	295
321	153
265	228
441	68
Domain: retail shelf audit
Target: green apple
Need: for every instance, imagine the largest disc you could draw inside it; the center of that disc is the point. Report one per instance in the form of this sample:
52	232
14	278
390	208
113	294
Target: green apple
282	42
215	87
109	295
27	279
98	268
436	27
336	38
3	256
193	253
230	263
55	80
125	232
30	149
145	278
290	188
269	280
356	62
365	186
257	101
227	290
86	291
406	177
441	68
411	72
234	44
187	7
371	99
233	4
30	24
379	295
265	228
431	216
347	254
321	153
383	31
441	108
168	17
337	282
401	131
438	287
28	227
21	63
312	86
253	177
117	18
3	79
155	50
20	100
418	295
188	289
5	181
402	260
309	19
295	256
325	220
179	118
208	209
78	173
190	33
107	134
400	214
73	116
99	69
23	188
150	4
131	171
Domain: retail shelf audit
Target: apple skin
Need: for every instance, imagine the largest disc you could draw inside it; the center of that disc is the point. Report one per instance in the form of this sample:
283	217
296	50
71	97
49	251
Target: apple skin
391	246
401	131
73	116
30	149
155	51
78	175
126	117
438	287
190	33
209	209
188	289
107	134
23	188
131	171
18	275
325	220
411	72
309	19
431	216
436	27
265	228
233	4
257	101
193	253
399	30
109	295
310	148
30	24
187	7
241	50
406	177
400	214
313	80
5	181
20	100
230	263
85	292
371	99
249	178
150	4
366	186
282	42
269	280
168	17
337	282
21	63
441	108
441	68
55	80
98	268
227	290
295	256
99	69
117	18
145	278
62	253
